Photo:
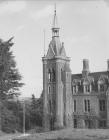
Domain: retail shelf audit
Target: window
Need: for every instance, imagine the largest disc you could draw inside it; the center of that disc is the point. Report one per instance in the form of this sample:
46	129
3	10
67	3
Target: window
102	123
87	88
75	123
49	90
53	75
74	105
87	123
62	75
49	76
101	87
87	105
75	88
102	105
50	106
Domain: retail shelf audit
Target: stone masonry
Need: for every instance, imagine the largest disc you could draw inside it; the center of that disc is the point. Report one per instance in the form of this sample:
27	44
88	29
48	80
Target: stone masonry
72	100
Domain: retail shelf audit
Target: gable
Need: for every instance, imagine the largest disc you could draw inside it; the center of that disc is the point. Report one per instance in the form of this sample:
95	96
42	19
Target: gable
50	53
62	51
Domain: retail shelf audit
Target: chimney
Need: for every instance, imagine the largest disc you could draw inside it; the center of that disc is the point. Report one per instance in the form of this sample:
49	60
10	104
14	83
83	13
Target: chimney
85	70
107	64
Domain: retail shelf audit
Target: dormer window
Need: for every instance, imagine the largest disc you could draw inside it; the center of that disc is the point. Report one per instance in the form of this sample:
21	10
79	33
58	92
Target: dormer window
87	84
102	83
102	87
75	89
75	86
87	88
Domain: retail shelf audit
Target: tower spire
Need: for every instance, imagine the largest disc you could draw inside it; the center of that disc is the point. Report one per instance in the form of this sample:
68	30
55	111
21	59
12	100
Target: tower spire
55	28
55	9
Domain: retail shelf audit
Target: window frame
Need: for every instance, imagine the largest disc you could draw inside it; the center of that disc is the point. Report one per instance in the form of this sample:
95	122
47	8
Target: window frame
75	89
49	75
102	88
102	105
75	106
102	123
87	88
87	105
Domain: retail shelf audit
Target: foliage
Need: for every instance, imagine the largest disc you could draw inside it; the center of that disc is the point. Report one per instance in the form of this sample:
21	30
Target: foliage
33	113
12	115
12	111
36	112
9	117
9	75
9	88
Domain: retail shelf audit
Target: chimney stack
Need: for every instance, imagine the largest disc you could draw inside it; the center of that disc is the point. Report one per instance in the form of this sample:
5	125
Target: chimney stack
85	70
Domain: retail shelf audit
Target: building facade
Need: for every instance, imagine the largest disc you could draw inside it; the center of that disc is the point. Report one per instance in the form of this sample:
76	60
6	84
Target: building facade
72	100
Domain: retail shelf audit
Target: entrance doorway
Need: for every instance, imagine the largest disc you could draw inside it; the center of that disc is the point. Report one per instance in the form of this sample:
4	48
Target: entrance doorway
52	123
75	123
88	123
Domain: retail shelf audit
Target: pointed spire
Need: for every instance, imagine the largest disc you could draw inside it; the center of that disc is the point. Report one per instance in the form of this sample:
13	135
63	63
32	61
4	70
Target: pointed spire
55	23
55	28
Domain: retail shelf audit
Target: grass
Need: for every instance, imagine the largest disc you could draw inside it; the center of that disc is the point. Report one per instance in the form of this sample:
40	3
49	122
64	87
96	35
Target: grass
70	134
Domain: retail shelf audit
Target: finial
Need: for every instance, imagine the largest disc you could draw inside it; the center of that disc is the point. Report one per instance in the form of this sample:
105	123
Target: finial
55	9
55	18
55	28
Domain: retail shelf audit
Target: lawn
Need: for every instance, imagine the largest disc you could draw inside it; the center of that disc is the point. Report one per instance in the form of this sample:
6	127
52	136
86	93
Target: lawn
70	134
4	136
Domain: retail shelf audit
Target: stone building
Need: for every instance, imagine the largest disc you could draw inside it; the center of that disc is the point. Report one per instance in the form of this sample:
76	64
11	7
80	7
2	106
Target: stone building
72	100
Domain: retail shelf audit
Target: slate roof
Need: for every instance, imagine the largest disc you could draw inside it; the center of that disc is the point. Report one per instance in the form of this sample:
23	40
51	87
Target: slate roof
95	75
56	48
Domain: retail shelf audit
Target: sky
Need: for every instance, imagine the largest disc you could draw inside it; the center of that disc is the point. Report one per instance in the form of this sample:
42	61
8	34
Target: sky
84	29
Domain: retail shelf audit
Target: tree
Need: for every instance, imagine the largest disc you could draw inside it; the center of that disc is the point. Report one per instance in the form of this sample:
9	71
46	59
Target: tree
33	102
36	112
9	75
9	87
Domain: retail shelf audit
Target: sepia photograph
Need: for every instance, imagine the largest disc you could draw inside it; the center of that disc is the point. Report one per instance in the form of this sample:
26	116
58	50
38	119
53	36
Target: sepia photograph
54	69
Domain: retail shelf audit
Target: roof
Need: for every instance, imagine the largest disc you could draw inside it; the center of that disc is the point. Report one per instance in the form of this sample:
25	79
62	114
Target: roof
55	21
67	68
56	48
93	78
95	75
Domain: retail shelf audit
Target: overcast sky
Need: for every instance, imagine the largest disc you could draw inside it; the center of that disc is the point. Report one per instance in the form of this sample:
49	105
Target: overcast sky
84	29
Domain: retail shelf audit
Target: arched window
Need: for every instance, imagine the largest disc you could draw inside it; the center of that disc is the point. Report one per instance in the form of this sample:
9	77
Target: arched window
75	89
49	75
87	88
53	75
101	86
62	75
102	83
50	106
49	89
